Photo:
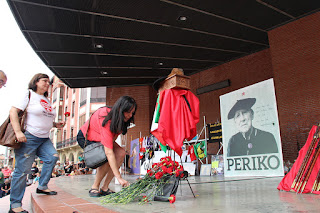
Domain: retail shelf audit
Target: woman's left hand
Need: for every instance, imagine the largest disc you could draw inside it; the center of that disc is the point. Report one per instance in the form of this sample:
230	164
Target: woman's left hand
60	124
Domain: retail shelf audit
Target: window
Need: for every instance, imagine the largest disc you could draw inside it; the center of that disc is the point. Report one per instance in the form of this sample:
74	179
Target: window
54	97
67	92
60	114
82	119
83	97
59	135
71	132
64	135
98	94
61	93
73	108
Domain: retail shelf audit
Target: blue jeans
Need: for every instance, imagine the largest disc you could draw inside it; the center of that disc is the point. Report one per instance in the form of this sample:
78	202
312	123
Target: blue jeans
25	156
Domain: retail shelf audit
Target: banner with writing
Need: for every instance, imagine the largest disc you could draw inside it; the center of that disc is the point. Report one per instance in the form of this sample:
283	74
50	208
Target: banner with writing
250	131
215	133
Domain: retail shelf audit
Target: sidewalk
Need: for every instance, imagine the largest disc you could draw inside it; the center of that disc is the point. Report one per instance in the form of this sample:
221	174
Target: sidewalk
213	194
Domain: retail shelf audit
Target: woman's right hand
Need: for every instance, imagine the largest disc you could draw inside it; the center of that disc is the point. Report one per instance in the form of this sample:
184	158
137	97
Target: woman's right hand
123	182
21	137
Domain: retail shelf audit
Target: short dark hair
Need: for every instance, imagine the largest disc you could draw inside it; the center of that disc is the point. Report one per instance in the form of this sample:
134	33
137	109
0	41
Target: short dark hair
117	125
35	79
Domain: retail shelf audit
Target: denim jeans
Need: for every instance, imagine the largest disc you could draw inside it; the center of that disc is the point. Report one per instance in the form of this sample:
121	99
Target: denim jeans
25	156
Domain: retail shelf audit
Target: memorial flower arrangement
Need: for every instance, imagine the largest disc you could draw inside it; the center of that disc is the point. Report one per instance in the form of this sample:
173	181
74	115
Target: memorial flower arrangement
144	189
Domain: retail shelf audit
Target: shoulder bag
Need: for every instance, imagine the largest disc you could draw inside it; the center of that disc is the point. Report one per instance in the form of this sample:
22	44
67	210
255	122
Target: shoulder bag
94	154
7	135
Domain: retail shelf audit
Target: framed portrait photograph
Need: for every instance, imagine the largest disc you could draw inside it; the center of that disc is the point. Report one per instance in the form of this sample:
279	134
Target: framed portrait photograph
250	131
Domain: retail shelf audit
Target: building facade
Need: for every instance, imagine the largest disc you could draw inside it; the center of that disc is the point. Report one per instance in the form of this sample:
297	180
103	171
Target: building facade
80	103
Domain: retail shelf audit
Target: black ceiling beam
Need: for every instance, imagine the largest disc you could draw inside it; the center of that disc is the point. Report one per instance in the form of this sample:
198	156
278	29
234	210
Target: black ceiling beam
123	55
151	23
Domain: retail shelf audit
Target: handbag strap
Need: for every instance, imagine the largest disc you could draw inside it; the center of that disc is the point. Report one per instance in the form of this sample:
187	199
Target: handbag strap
22	112
85	141
28	101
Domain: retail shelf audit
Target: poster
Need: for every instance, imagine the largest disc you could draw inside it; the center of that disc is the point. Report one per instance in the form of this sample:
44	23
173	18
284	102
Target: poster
250	131
217	164
134	156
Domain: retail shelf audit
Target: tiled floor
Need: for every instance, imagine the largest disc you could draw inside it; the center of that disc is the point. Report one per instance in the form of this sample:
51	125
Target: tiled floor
64	201
213	194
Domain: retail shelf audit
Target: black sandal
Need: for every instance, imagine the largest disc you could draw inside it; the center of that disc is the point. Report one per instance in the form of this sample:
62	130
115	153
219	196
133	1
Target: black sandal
94	194
108	192
24	211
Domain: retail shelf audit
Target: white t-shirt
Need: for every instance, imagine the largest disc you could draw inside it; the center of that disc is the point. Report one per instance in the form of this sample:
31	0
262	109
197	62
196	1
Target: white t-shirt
40	115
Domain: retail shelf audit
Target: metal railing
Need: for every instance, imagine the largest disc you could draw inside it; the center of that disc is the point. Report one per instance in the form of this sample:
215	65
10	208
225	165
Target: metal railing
67	143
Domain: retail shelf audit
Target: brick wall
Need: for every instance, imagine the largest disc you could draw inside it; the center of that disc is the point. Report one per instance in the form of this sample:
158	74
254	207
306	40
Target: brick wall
295	55
242	72
145	97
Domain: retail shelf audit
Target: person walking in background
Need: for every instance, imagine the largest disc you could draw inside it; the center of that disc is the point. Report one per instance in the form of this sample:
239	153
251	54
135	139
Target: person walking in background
105	126
3	79
34	141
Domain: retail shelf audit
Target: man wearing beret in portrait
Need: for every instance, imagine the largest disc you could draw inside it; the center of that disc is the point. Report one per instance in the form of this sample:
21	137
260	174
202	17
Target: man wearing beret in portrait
249	140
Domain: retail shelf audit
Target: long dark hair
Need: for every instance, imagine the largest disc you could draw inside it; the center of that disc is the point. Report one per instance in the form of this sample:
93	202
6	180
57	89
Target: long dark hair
34	80
123	104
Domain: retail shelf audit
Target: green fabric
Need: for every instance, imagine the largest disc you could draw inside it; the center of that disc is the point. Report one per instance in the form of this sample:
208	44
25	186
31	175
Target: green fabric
200	150
156	120
1	178
163	148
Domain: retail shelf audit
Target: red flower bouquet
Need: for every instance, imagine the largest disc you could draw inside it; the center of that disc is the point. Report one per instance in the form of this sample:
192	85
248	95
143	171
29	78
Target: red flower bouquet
152	184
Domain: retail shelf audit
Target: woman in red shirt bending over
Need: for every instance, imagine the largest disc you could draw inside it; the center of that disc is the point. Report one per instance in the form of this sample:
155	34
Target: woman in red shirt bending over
105	126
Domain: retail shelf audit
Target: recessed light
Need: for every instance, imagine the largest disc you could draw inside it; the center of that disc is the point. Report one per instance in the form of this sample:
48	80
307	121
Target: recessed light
98	46
182	18
104	72
160	63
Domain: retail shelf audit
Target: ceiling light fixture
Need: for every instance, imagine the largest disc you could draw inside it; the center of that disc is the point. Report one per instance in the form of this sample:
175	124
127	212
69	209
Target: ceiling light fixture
160	63
182	18
104	72
98	46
